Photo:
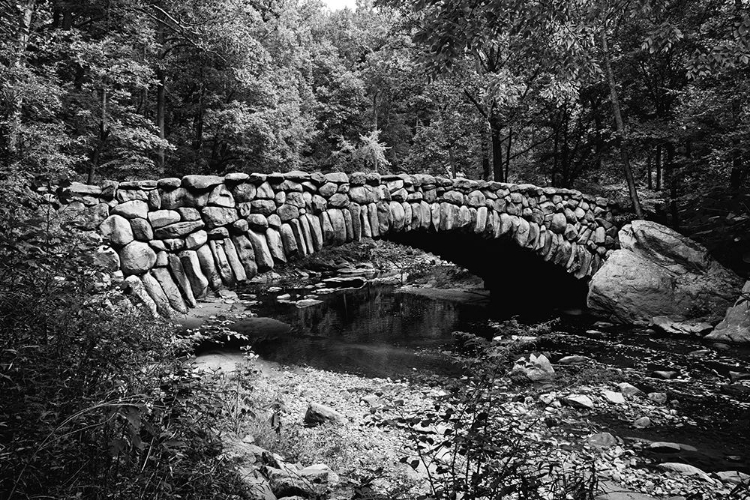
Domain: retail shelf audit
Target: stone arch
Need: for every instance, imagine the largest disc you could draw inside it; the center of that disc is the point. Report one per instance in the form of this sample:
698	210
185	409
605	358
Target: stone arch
176	238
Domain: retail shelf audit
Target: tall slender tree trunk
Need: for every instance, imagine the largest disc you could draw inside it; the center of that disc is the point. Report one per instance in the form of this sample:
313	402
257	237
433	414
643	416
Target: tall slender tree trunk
486	168
103	135
672	180
649	169
658	167
508	151
161	107
26	14
621	139
737	174
497	148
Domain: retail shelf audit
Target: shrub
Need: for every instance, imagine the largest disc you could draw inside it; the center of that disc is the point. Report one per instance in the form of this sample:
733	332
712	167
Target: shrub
95	402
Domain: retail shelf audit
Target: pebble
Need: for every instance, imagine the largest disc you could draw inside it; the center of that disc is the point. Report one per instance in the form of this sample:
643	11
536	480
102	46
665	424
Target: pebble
629	390
573	360
602	440
658	397
664	447
578	401
614	397
642	423
665	374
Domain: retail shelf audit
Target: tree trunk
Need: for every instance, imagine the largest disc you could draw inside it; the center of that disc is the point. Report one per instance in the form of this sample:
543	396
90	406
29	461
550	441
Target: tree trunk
736	176
103	135
671	177
658	167
649	169
497	148
160	113
621	140
26	11
508	151
486	169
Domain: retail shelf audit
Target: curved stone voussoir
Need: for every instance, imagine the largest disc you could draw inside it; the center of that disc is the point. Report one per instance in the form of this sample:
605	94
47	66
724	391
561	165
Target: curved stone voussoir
181	279
208	265
138	291
170	289
222	263
192	267
262	254
155	291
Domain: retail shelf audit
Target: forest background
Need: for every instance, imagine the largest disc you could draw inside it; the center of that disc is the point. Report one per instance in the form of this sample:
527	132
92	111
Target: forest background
574	93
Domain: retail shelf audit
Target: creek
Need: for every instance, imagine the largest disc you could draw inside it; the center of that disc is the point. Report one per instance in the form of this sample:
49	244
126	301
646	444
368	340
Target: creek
386	331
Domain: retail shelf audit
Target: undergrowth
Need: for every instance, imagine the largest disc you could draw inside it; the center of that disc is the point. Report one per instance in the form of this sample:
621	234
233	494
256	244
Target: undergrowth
95	402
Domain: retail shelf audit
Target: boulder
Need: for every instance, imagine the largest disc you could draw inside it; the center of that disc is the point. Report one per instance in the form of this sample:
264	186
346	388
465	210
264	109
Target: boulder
117	230
537	368
735	327
318	414
161	218
137	257
658	272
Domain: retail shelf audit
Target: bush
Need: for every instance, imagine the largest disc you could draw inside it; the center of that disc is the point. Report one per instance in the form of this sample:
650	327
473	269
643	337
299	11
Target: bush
95	402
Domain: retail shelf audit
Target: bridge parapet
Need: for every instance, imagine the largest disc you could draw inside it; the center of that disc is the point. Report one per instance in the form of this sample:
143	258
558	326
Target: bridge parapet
175	238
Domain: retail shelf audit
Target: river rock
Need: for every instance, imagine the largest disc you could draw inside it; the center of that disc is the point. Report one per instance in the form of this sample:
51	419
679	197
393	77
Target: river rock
733	477
137	257
117	230
602	440
285	484
690	328
629	390
658	272
161	218
221	197
573	360
132	209
218	216
642	423
141	230
301	304
177	230
318	414
614	397
196	240
536	369
246	254
578	401
201	182
735	327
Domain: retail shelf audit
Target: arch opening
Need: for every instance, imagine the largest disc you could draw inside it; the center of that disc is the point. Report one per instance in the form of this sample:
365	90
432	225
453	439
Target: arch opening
519	280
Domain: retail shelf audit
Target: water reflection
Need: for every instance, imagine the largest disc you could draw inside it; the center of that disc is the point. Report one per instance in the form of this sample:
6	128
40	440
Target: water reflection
375	331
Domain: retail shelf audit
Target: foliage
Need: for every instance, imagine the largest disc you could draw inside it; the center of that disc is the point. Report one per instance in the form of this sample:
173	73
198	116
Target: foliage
96	402
471	446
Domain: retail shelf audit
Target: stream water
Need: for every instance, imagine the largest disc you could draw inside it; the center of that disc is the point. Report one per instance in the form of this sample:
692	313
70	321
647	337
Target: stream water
380	330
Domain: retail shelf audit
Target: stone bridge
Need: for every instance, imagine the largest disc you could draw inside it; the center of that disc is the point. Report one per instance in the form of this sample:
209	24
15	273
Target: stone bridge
174	239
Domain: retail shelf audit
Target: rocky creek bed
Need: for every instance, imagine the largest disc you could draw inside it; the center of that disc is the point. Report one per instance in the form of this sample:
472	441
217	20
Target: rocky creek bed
656	416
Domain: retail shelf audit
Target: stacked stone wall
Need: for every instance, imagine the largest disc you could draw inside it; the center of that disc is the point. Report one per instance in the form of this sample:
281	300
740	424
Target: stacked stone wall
174	239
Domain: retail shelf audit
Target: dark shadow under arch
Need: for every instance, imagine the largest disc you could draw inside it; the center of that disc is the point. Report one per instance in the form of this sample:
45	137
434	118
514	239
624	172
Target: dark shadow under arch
519	280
